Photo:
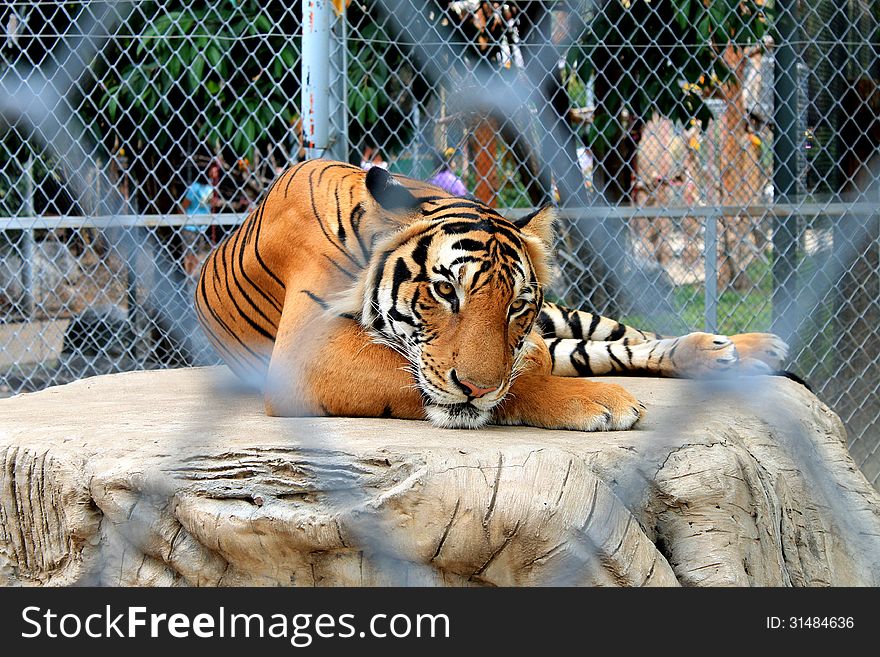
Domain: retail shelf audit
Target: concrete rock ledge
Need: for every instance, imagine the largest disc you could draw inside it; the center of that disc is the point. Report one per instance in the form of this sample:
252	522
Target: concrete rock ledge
173	478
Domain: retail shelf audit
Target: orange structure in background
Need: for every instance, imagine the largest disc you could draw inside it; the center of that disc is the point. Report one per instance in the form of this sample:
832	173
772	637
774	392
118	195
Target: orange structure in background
485	139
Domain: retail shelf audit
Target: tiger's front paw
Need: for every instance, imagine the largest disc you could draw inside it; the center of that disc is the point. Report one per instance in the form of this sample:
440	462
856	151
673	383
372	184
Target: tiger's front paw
702	354
756	349
552	402
604	407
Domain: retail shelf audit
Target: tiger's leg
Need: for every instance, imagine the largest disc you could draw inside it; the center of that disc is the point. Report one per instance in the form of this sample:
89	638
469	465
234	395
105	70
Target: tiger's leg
692	355
321	368
754	351
538	398
555	321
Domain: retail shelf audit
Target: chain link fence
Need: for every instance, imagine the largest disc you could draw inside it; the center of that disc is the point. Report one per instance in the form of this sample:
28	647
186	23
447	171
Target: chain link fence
712	161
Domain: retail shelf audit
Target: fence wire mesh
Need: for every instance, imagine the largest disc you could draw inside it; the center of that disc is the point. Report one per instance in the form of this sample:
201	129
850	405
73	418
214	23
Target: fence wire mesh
723	148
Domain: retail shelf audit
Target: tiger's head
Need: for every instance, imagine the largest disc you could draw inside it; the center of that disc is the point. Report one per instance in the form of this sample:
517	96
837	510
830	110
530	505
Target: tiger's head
456	289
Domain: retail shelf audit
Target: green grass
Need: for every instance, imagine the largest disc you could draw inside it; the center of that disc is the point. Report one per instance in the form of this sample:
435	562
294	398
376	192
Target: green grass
812	348
738	312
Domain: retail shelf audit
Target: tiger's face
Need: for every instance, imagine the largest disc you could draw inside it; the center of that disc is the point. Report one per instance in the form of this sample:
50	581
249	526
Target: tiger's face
457	293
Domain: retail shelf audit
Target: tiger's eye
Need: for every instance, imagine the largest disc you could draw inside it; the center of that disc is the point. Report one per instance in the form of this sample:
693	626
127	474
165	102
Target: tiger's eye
517	305
444	289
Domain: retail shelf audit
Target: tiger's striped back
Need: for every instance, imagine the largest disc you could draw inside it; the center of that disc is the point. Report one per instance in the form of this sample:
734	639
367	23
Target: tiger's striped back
310	238
239	298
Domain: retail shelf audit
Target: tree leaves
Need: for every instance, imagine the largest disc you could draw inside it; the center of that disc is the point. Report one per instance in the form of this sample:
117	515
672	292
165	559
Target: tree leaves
197	58
668	53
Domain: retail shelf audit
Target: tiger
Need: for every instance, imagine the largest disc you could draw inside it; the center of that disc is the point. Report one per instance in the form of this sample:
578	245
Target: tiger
367	294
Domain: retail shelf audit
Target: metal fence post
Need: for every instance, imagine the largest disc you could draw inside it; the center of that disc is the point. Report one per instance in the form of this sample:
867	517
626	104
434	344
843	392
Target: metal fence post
786	143
27	243
710	264
338	94
315	105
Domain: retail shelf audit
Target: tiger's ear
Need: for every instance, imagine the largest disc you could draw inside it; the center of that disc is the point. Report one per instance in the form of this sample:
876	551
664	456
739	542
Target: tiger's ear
539	224
389	193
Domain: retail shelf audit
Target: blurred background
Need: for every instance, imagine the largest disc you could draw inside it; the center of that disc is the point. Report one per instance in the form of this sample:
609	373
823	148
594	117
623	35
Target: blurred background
712	159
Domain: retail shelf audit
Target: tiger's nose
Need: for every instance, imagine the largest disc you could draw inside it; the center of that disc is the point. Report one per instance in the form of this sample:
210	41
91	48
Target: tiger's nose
472	389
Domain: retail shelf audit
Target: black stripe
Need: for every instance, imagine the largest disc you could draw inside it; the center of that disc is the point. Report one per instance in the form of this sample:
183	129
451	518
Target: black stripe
469	245
594	324
552	347
327	235
618	332
673	350
340	229
378	321
614	358
271	301
224	351
314	297
398	316
459	227
420	253
484	267
565	312
257	249
240	251
354	220
293	171
583	368
250	223
470	205
444	271
335	165
486	225
575	322
401	274
231	297
414	303
462	259
231	357
415	191
253	234
216	316
340	267
545	325
508	251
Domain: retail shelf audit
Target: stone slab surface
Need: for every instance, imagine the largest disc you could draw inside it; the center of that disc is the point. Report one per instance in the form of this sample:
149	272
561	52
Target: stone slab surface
178	478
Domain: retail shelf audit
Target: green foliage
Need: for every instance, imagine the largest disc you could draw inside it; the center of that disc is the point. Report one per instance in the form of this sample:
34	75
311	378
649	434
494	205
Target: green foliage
234	66
382	84
222	70
661	56
44	178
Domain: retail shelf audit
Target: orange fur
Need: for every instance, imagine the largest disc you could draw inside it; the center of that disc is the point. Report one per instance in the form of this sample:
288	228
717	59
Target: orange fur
269	298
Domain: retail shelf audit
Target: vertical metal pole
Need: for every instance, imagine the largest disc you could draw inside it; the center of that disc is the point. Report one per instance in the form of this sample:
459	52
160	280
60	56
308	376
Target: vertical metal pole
345	149
786	147
27	243
315	105
338	100
128	240
710	265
